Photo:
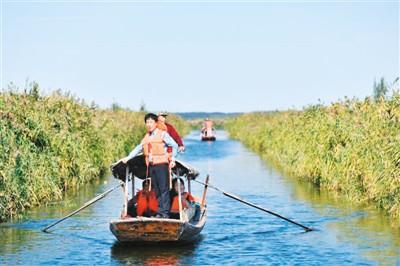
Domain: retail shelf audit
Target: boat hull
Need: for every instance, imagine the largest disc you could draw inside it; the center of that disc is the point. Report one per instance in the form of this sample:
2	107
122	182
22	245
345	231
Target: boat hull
142	229
208	138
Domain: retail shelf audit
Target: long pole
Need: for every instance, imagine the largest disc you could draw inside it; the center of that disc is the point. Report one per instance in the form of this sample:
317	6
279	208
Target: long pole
203	199
87	204
180	199
232	196
126	192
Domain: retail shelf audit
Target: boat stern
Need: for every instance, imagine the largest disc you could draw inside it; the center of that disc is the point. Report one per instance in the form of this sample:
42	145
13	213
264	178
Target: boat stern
142	229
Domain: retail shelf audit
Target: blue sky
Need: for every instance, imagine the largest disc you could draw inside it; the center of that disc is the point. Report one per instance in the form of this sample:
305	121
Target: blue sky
222	56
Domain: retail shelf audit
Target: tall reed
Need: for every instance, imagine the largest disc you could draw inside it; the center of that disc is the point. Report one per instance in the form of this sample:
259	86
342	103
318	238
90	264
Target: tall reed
51	144
352	146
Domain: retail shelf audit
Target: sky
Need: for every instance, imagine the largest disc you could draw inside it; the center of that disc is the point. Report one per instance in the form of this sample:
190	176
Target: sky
181	56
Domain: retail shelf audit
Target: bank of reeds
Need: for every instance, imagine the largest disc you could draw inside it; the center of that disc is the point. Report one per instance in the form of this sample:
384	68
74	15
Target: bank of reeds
352	146
51	144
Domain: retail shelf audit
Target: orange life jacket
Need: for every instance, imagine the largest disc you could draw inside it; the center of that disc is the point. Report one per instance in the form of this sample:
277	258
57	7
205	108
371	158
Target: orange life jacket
175	202
146	202
162	126
154	148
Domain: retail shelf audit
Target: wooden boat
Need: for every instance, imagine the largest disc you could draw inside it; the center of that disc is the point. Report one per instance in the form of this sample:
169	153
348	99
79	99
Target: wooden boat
208	131
154	230
143	229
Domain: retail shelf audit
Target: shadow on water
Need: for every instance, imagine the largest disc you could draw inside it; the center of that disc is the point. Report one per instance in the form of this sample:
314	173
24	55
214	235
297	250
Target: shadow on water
154	254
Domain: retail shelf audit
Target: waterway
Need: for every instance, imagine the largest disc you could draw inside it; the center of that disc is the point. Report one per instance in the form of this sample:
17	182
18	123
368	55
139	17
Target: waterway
235	234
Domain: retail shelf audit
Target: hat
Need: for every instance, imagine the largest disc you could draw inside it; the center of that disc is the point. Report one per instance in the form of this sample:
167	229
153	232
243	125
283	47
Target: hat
162	114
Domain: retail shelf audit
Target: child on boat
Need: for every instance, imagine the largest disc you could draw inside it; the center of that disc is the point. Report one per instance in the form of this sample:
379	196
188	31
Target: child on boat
187	200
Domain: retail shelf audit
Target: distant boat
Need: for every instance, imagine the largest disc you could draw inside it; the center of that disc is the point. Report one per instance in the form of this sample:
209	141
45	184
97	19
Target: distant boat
208	131
144	229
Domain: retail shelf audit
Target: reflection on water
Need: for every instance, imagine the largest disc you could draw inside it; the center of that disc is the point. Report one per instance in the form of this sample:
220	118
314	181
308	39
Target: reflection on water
29	228
234	233
153	254
364	227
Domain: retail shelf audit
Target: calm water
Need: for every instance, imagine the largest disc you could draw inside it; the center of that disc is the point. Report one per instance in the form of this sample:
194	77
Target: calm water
234	234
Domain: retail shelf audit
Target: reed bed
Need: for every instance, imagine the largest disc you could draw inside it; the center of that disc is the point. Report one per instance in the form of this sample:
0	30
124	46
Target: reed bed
352	146
53	144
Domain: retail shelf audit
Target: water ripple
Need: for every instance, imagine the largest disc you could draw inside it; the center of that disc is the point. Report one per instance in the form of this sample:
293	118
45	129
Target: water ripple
234	234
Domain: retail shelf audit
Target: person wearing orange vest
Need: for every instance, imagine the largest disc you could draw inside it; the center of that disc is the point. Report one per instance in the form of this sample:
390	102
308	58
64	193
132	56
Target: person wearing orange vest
154	146
186	199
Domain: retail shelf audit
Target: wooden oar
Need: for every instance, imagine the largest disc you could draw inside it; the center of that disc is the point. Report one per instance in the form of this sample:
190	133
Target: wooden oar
253	205
87	204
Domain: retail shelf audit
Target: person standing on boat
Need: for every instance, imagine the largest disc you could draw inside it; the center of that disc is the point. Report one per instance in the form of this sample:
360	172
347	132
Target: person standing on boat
154	146
162	116
207	128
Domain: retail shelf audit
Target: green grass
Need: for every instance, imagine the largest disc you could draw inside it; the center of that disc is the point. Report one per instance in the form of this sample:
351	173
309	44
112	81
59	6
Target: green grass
51	144
351	146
